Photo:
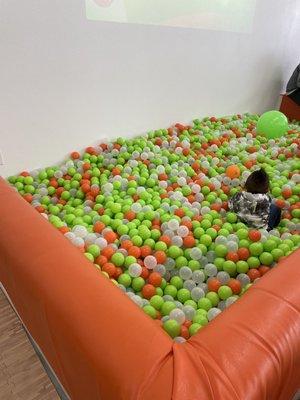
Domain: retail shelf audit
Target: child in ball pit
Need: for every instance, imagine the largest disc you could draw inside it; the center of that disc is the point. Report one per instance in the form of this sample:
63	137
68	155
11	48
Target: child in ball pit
254	205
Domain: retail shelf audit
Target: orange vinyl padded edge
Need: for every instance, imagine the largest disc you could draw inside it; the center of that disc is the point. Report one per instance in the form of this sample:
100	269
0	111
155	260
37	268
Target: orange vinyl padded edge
252	350
99	343
103	347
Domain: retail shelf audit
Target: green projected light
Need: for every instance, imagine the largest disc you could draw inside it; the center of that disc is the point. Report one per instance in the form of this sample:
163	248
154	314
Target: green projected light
221	15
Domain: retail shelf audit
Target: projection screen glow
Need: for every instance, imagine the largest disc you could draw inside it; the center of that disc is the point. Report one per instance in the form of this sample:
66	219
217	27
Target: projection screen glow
221	15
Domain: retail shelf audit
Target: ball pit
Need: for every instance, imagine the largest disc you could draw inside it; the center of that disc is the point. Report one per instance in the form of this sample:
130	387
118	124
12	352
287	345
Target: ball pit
151	214
86	326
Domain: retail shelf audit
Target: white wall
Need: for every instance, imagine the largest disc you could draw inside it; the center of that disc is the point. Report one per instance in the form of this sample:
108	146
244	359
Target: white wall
66	82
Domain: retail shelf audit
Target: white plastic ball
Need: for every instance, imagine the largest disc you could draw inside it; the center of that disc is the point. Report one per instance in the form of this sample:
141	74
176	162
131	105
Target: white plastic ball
150	262
185	273
205	210
80	231
101	243
210	255
161	269
179	339
197	293
221	240
178	304
244	279
196	253
222	305
177	241
210	270
137	300
212	313
183	231
189	312
204	287
90	238
198	276
230	300
78	242
232	246
170	264
167	297
70	236
223	277
189	284
178	315
135	270
232	238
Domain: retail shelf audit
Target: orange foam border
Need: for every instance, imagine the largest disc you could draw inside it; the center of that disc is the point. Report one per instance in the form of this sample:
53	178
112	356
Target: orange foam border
102	346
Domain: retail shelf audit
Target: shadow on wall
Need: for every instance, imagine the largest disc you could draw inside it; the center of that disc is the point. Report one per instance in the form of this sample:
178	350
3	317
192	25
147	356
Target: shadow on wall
271	82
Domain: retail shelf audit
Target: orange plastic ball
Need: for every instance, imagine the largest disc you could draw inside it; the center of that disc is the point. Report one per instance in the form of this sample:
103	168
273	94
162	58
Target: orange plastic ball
263	269
129	215
189	241
85	188
232	256
75	155
101	260
107	252
145	273
40	209
184	332
148	291
213	285
160	256
235	286
253	274
233	171
99	226
146	251
109	268
134	251
166	239
64	229
126	244
110	237
28	197
118	272
155	279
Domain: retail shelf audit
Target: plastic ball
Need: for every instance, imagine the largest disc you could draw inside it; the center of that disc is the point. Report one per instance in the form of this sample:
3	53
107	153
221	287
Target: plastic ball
223	277
152	214
150	262
135	270
172	327
189	312
233	171
185	273
198	276
210	270
212	313
197	293
272	124
178	315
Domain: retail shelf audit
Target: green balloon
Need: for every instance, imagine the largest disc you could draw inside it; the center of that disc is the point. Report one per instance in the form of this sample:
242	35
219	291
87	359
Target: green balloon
272	124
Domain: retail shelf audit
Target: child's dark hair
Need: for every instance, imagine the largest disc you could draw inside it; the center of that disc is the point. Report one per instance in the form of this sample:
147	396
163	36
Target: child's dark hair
257	182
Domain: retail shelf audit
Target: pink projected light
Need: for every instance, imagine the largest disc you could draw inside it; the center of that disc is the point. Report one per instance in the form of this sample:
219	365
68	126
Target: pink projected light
103	3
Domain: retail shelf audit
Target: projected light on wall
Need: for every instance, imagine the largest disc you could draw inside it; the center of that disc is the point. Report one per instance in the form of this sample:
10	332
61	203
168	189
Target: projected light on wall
221	15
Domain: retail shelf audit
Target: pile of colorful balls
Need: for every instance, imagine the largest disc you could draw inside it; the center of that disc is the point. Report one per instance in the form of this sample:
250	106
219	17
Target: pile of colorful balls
151	213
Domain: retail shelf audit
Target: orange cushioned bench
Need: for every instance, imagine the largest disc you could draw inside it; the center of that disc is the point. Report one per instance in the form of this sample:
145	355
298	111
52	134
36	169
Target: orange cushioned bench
290	108
102	346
